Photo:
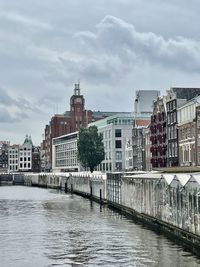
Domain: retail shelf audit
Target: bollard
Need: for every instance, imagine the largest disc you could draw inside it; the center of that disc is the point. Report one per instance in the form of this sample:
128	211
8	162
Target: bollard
100	196
91	192
66	189
71	188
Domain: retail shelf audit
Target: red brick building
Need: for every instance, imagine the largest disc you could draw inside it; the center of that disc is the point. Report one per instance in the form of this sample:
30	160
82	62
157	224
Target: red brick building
78	115
158	134
70	121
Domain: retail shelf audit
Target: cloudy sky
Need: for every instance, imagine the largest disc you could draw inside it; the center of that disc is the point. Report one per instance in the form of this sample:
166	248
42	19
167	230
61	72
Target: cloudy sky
114	47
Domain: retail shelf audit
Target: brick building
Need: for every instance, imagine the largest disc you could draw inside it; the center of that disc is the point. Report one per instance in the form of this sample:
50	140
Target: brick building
188	132
69	122
197	138
36	159
158	134
78	115
176	97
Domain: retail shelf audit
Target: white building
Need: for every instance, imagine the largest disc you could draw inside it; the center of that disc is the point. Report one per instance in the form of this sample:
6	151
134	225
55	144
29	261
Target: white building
13	157
116	130
25	155
144	100
64	153
20	156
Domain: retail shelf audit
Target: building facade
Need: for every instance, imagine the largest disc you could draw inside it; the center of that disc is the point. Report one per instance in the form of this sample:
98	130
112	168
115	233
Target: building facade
59	125
140	123
64	153
79	116
36	159
158	134
197	137
175	98
129	155
188	132
24	158
13	158
25	155
69	122
4	155
116	130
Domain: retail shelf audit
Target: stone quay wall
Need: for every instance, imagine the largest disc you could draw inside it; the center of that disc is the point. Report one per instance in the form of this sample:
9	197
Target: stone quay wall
169	202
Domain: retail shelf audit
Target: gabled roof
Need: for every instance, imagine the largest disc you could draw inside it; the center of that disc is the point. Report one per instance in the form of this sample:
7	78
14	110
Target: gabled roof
168	178
195	177
183	178
28	140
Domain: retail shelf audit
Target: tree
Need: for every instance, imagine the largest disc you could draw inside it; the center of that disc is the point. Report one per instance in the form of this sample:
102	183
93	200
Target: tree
90	147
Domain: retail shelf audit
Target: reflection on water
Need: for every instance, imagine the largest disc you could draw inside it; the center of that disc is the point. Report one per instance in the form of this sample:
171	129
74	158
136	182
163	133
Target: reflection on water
40	227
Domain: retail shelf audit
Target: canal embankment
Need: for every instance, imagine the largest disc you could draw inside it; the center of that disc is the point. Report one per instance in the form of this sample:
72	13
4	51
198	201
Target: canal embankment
168	203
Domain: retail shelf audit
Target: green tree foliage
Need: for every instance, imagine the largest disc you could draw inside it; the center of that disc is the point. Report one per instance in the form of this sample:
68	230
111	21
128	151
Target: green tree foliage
90	147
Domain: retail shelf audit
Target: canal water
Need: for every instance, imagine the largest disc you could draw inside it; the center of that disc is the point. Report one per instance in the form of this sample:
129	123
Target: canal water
40	227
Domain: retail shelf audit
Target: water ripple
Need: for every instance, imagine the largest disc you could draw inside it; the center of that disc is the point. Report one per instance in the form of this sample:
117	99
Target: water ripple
39	227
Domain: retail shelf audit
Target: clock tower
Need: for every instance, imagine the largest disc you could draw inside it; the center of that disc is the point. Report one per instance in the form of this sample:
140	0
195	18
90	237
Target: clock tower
77	110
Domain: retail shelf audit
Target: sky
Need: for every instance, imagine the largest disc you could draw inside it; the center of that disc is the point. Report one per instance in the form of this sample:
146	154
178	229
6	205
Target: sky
113	47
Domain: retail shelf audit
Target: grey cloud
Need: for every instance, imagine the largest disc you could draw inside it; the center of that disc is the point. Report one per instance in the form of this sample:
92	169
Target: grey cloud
48	45
18	18
116	36
15	109
11	117
5	117
5	99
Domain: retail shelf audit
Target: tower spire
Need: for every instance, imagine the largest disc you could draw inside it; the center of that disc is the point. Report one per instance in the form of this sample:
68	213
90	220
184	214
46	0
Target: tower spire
77	88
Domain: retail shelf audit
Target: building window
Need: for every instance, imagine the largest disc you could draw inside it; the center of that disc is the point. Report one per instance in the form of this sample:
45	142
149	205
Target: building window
118	166
167	106
118	155
174	104
168	118
170	150
118	144
118	133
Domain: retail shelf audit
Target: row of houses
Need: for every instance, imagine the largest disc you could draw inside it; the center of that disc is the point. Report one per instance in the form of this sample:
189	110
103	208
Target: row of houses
23	158
161	132
174	129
